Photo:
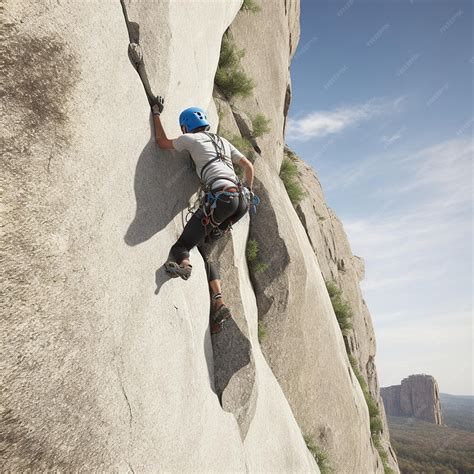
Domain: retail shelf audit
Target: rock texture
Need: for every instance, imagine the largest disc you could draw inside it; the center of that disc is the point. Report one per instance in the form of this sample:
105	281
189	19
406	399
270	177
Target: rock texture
391	400
417	396
106	364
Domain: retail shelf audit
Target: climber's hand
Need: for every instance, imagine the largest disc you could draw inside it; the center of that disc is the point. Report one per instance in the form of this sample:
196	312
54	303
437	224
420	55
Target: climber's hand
158	105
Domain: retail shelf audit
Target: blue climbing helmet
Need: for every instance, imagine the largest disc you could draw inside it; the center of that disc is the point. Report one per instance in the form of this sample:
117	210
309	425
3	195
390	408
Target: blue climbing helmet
193	118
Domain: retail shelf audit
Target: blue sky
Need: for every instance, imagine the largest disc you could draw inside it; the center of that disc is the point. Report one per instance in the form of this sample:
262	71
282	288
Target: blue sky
383	110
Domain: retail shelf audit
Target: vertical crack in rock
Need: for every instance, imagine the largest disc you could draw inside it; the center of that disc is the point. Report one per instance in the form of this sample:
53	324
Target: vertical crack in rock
287	102
245	127
273	252
135	54
127	401
302	217
234	365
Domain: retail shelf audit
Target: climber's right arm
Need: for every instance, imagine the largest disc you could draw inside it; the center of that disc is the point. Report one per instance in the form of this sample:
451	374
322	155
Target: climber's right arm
160	135
163	141
248	170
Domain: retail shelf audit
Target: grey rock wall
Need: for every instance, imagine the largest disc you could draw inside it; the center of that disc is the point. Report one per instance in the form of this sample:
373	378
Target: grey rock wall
417	396
107	365
391	400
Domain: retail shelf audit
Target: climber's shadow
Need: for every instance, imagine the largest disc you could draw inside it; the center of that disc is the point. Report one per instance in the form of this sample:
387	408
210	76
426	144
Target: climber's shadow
232	352
164	183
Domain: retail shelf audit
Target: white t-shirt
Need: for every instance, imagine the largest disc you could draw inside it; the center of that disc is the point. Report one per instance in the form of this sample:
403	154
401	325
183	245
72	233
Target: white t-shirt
202	150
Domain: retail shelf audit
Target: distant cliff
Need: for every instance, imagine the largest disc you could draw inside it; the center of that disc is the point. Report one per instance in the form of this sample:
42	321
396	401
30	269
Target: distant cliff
417	396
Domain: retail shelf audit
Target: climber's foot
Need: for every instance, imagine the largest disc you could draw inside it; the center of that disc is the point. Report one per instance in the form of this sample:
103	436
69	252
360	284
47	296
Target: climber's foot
216	300
219	317
174	270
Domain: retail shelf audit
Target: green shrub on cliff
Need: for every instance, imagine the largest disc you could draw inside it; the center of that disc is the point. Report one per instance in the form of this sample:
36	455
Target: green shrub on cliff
230	78
243	145
252	257
289	176
251	6
260	125
341	308
374	415
260	267
343	315
262	332
252	250
319	455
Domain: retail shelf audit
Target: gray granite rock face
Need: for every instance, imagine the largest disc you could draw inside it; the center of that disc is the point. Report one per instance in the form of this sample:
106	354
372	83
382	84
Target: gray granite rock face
417	396
391	400
107	364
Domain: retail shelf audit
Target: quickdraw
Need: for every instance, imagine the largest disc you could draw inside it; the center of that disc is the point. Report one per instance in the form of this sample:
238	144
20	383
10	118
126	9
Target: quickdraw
253	205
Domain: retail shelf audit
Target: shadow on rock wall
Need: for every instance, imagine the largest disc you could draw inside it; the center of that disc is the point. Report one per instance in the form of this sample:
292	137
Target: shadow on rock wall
164	183
272	252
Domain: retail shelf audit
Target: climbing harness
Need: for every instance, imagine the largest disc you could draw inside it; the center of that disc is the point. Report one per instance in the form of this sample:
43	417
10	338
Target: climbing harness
207	198
209	204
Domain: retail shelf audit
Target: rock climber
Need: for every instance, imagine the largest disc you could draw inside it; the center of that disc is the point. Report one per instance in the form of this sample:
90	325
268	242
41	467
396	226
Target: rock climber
225	200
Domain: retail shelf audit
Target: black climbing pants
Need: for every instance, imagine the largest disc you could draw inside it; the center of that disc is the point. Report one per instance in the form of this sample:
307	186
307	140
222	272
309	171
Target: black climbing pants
228	210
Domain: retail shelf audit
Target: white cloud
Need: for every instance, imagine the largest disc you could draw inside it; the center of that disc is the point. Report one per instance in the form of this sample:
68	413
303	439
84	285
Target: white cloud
409	276
391	140
424	226
447	165
417	245
319	124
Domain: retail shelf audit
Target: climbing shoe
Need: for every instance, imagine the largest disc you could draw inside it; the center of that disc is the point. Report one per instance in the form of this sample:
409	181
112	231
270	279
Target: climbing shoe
218	318
174	270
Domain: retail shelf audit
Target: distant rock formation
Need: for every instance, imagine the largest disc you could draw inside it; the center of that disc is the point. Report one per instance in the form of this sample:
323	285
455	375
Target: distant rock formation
416	396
